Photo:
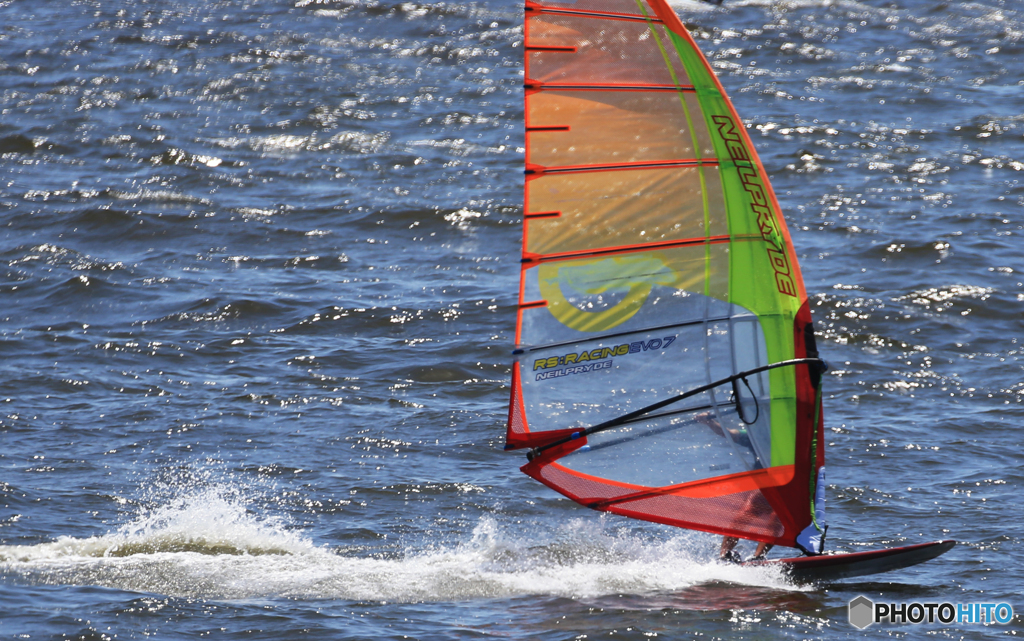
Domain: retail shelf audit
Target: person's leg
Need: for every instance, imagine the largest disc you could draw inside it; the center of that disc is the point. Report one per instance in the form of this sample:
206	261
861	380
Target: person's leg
727	553
762	550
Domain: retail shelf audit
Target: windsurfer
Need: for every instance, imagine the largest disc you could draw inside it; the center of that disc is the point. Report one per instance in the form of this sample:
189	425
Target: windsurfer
750	507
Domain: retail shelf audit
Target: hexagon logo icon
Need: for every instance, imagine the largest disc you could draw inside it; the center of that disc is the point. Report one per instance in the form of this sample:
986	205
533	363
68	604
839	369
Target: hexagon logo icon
861	612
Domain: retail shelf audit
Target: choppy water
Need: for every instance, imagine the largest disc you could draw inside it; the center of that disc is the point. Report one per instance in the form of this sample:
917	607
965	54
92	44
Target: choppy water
257	307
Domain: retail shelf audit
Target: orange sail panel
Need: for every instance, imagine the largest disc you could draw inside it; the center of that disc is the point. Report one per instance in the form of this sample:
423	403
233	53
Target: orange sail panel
656	262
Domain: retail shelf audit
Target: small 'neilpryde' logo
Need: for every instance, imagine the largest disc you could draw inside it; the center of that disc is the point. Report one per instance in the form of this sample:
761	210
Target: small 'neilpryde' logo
863	612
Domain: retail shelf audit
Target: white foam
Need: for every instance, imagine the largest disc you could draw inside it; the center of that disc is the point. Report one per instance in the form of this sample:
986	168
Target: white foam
208	546
205	523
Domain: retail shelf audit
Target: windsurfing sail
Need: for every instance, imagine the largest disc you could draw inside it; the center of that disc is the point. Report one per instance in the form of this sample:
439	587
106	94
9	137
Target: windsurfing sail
665	361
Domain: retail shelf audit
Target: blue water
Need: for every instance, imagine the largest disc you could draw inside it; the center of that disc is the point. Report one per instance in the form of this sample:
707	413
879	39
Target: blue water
257	306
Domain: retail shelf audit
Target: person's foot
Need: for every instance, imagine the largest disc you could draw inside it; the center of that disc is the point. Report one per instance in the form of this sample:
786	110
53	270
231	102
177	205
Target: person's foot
730	557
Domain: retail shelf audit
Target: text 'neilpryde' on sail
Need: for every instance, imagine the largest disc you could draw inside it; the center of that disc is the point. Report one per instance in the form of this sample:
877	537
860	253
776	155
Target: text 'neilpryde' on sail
665	363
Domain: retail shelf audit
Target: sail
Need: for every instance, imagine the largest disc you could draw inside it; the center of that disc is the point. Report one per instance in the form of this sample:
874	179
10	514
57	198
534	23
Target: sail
656	264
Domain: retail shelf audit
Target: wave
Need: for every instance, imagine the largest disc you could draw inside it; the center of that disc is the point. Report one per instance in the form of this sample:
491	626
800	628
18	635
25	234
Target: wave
205	523
209	545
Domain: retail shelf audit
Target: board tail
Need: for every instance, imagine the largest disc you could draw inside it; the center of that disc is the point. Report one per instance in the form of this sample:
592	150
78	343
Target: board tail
833	567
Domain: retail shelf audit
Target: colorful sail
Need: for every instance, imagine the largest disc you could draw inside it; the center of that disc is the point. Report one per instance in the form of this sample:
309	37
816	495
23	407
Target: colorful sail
656	265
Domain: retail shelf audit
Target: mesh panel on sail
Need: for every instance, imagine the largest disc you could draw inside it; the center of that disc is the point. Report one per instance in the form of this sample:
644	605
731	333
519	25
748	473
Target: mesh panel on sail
580	488
516	419
747	512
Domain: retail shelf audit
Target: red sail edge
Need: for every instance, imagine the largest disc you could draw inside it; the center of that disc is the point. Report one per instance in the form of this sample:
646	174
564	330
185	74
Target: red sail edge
518	433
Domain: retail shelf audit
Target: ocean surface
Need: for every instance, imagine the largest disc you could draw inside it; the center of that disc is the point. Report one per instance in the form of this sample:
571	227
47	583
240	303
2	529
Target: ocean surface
259	274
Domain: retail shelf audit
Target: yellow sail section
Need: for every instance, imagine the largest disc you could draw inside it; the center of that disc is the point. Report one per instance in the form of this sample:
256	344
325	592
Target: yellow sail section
602	127
623	207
